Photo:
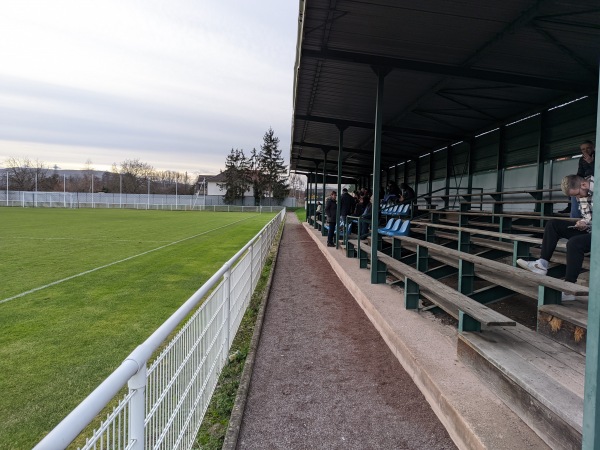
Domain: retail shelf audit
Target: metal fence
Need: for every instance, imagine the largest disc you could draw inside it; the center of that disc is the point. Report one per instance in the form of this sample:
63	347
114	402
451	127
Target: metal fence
168	399
37	199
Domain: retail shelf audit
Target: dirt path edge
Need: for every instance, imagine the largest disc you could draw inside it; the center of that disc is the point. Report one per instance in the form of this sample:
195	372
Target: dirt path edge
237	413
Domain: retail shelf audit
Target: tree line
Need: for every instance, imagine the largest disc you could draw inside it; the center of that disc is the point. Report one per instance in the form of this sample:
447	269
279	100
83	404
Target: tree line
131	176
263	172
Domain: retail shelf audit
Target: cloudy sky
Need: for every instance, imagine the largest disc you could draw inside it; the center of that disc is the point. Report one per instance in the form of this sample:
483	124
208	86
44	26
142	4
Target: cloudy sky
175	84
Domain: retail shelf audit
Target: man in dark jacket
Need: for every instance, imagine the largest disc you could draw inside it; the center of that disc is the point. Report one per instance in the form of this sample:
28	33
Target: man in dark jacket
346	205
330	212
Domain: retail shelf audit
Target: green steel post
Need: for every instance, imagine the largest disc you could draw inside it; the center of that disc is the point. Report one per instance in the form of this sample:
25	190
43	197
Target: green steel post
323	218
411	294
429	234
381	73
396	248
548	296
448	175
464	241
467	323
339	185
466	277
505	225
541	156
422	258
591	399
520	250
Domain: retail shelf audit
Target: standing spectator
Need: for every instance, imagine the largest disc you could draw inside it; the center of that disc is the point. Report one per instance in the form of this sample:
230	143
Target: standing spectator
579	235
346	205
407	194
330	212
584	170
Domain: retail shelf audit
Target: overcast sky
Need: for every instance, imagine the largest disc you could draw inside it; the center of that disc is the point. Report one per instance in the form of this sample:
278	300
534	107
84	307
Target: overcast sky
175	84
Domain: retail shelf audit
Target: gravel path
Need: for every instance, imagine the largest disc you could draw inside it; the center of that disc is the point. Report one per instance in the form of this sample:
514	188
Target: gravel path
323	377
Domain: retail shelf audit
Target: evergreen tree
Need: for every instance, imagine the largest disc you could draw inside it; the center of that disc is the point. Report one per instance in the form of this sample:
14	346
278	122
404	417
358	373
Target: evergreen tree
256	177
236	176
272	168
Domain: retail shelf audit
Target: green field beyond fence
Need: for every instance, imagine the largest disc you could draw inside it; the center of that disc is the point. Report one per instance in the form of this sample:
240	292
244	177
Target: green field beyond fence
80	289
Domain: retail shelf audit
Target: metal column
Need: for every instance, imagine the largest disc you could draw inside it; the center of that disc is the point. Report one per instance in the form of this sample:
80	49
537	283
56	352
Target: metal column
381	73
339	185
591	400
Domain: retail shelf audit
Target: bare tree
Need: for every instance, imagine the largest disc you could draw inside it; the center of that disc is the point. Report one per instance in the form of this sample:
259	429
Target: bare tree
25	174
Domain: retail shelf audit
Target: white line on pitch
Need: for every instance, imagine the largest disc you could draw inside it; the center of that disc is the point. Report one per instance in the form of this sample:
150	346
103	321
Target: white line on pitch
22	294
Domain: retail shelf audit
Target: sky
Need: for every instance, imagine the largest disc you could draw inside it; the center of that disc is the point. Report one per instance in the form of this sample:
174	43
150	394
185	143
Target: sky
176	84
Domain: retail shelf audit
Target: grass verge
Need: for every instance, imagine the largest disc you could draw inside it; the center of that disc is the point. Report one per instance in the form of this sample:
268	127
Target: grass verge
216	420
301	214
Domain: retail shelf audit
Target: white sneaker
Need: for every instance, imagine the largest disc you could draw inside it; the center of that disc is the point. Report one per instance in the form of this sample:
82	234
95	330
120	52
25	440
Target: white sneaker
567	297
533	266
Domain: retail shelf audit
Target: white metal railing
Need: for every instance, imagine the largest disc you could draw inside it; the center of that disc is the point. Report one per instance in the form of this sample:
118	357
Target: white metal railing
181	202
168	399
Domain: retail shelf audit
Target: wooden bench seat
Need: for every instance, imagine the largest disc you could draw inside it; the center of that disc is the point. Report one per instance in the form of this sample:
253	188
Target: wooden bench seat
516	202
548	289
558	257
470	313
541	380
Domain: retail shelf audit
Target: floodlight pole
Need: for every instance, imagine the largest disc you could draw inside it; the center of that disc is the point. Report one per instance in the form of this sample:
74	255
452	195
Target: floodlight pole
7	188
65	190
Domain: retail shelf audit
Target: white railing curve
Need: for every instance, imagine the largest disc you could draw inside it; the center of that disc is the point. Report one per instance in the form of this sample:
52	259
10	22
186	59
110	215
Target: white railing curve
168	399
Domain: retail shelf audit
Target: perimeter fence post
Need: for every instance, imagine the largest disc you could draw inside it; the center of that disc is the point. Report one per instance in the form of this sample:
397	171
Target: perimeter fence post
227	306
137	413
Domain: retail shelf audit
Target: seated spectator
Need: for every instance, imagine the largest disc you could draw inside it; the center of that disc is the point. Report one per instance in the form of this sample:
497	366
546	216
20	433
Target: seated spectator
366	214
319	211
392	192
579	235
358	207
584	170
407	194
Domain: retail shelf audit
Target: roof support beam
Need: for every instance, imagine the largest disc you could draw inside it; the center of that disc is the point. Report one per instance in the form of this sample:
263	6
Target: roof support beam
369	125
448	70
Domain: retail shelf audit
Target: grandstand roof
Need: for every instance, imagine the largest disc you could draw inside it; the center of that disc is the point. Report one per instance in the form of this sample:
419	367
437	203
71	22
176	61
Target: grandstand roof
456	69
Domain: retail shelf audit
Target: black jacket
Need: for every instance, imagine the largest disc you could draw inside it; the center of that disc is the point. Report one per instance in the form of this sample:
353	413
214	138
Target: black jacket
330	210
346	205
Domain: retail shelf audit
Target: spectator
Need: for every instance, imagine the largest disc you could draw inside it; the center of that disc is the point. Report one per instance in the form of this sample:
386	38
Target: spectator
366	214
330	212
319	210
407	194
584	170
393	192
579	235
346	205
358	207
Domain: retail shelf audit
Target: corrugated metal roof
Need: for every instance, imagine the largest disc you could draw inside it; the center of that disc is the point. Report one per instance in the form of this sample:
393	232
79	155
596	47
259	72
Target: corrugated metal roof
457	68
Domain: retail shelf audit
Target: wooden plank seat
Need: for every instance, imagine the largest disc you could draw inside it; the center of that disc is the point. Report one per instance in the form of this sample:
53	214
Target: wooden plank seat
471	314
522	246
541	380
516	202
545	288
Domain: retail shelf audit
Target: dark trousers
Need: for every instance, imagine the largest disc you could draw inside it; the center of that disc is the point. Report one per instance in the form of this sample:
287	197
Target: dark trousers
330	232
580	242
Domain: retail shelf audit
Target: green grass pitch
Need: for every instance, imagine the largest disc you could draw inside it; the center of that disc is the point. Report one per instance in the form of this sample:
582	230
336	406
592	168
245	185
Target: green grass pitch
80	289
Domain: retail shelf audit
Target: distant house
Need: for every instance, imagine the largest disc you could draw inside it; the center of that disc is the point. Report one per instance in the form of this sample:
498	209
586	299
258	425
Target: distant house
212	185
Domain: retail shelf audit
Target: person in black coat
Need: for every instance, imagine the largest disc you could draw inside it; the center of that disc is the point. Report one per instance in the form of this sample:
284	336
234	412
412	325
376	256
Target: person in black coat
346	205
407	194
330	213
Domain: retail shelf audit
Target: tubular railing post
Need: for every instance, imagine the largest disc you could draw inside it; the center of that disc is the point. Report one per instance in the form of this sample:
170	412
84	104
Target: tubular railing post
137	413
227	306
